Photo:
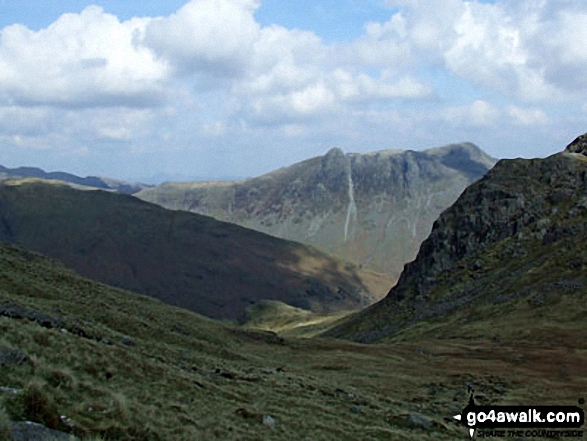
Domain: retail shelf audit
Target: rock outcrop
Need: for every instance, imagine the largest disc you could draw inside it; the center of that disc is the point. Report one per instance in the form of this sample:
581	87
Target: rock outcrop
579	145
29	431
492	245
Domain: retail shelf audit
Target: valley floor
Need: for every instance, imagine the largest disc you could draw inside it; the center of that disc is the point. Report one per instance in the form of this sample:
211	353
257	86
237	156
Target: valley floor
94	361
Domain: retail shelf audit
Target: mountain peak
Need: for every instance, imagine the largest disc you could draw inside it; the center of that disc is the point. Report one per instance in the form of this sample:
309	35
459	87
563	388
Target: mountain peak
334	152
579	145
492	246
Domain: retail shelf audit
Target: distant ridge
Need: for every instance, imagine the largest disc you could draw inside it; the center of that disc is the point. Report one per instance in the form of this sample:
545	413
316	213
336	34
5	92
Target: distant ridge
373	209
89	181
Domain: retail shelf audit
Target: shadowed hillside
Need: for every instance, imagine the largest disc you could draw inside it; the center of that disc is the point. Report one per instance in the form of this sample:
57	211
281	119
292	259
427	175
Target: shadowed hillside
184	259
373	209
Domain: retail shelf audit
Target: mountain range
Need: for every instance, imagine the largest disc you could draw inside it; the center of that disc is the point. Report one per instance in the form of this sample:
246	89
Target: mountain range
512	249
491	310
89	181
371	209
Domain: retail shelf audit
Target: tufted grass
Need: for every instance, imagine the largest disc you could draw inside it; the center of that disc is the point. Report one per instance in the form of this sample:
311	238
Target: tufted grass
188	377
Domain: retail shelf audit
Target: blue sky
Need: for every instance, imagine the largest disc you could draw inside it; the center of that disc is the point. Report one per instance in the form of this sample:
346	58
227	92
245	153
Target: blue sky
214	88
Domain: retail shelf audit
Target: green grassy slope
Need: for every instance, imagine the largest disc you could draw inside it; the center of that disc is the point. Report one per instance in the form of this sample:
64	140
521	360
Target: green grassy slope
96	361
184	259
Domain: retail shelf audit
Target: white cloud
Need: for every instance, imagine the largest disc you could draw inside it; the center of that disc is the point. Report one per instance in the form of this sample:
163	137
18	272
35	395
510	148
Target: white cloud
284	60
120	124
214	37
527	117
363	88
295	76
479	113
210	75
29	121
532	49
81	60
216	128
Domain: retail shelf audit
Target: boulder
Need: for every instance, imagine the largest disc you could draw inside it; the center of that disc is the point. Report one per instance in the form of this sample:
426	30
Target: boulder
29	431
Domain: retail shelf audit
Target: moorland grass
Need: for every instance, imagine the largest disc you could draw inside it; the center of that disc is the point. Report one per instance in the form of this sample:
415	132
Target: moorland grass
126	367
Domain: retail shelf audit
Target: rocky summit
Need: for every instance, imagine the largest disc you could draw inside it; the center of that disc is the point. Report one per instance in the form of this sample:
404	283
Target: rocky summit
372	209
517	235
579	145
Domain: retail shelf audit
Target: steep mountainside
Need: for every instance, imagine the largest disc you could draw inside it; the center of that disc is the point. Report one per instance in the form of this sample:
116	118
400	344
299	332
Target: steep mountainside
184	259
89	181
512	248
371	209
86	359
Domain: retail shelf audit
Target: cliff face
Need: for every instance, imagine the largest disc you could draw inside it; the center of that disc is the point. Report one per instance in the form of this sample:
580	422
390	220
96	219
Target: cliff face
370	209
519	231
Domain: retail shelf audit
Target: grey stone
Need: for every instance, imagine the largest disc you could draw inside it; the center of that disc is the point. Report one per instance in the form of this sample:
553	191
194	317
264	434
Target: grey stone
15	311
28	431
500	213
268	420
127	341
417	421
11	357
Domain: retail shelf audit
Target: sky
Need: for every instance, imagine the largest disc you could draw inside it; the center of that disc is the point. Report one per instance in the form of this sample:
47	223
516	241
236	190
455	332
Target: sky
146	90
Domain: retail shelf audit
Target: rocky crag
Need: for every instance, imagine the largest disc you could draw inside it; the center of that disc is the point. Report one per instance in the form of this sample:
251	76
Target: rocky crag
371	209
518	234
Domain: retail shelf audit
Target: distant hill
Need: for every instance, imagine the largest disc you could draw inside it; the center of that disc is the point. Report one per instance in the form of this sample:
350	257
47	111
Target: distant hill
372	209
508	260
89	181
184	259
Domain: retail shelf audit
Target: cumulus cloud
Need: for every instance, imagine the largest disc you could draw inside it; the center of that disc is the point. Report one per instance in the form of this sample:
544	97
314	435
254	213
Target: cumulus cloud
210	73
120	124
532	49
81	60
214	37
16	120
479	113
294	75
527	117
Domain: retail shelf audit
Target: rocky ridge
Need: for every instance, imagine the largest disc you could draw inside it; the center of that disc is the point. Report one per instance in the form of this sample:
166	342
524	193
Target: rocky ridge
362	208
519	232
